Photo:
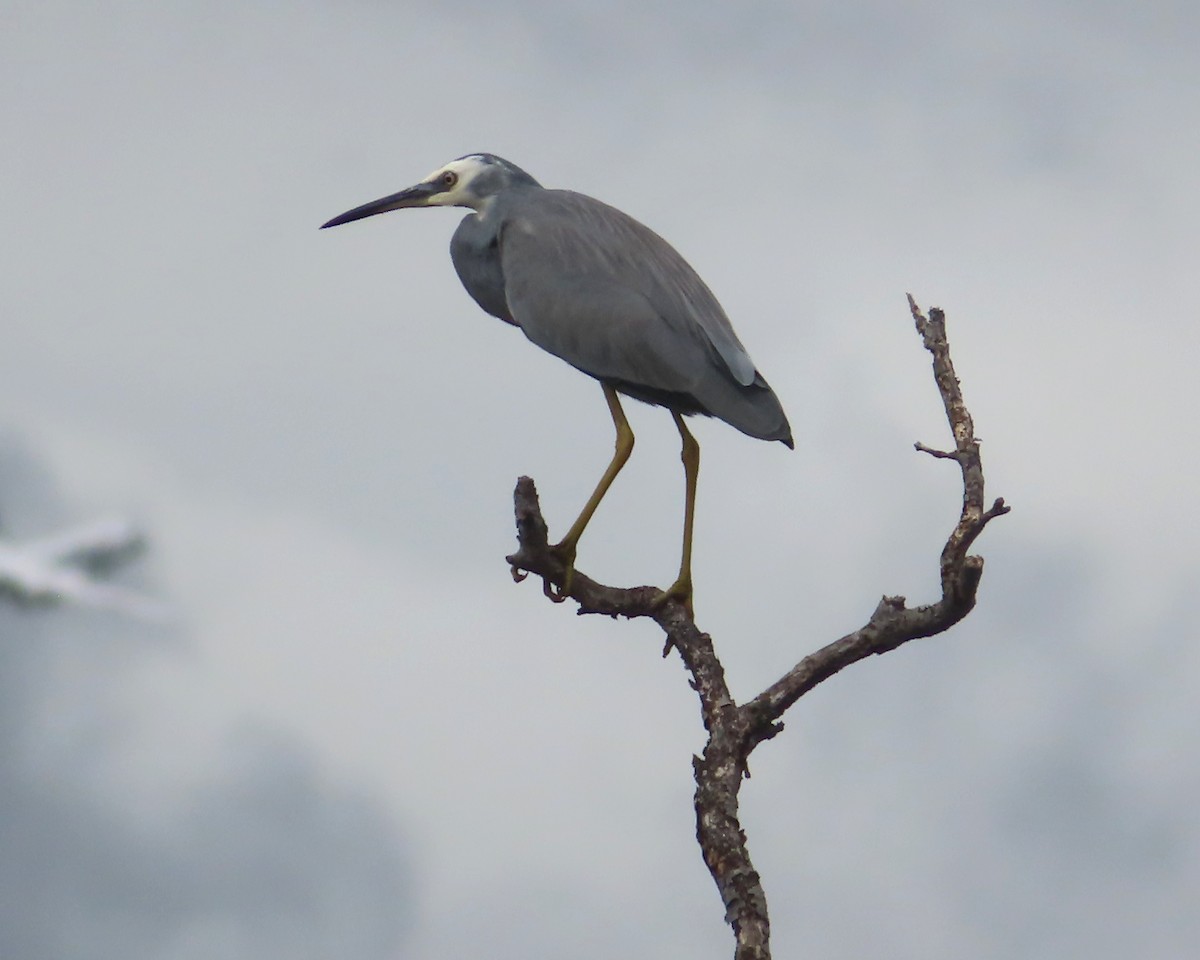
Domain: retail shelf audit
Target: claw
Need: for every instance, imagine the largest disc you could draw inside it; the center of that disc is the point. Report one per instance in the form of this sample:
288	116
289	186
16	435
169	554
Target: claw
518	574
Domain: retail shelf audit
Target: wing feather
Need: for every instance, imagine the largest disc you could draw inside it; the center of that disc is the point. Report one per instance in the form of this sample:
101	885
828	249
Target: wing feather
601	291
562	235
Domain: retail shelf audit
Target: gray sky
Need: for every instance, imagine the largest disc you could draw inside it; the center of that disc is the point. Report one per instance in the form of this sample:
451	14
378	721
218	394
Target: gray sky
322	432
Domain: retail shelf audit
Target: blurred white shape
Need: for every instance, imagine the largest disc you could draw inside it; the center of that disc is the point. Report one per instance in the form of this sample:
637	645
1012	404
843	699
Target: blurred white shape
65	568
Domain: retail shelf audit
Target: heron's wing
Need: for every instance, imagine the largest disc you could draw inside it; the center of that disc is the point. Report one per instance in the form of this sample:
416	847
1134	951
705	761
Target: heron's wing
102	542
29	578
608	295
71	586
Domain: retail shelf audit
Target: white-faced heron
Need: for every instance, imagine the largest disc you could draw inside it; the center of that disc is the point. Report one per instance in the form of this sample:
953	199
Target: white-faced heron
609	296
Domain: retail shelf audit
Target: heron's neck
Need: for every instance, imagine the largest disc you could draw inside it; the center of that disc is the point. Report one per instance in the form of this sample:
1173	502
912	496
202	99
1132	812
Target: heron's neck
481	206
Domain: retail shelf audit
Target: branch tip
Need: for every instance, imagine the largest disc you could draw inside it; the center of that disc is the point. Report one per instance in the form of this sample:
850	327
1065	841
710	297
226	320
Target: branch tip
939	454
998	509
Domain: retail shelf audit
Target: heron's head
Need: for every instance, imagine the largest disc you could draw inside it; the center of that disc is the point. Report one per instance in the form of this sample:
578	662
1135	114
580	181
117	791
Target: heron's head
469	181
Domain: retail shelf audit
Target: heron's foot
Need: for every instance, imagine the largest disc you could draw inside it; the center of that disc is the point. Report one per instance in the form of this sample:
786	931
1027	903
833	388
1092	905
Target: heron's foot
565	552
680	591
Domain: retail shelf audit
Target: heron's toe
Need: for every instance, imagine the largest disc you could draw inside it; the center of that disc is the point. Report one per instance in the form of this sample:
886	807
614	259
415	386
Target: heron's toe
565	552
680	591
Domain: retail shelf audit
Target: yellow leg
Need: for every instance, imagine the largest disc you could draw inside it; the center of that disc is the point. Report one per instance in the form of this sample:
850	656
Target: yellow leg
681	589
624	447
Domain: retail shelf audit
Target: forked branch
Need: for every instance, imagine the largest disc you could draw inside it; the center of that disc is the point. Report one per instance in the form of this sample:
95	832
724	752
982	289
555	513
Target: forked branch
735	730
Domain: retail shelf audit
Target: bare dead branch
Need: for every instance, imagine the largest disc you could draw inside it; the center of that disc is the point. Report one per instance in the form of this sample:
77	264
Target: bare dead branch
892	623
735	731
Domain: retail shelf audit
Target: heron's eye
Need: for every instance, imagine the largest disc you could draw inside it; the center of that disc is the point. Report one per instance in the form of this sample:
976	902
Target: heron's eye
449	179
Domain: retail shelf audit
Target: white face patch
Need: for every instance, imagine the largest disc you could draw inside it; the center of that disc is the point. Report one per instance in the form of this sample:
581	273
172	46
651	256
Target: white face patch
465	169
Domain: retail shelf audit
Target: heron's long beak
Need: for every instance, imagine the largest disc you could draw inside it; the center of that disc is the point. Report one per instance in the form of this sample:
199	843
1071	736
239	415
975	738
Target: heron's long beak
415	196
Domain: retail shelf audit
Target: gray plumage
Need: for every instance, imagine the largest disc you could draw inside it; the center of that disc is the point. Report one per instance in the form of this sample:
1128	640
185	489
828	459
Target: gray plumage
597	289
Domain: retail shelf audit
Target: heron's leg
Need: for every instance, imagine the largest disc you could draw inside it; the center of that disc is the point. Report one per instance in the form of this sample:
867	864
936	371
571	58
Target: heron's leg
681	589
624	446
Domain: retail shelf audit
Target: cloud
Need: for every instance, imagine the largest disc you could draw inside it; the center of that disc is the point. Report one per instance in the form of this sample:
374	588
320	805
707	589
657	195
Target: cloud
163	826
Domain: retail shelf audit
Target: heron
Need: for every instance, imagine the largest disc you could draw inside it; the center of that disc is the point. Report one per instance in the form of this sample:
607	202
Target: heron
608	295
